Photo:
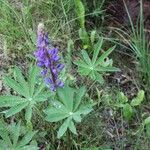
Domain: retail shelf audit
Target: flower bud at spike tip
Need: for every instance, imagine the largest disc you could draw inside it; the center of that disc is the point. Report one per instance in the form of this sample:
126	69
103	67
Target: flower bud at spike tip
40	29
48	59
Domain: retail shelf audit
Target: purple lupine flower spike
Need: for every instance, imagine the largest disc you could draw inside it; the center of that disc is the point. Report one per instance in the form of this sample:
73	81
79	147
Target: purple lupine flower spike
48	60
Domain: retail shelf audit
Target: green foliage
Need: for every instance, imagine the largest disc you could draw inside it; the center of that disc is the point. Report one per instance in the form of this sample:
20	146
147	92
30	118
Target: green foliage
137	101
127	111
140	46
96	148
97	66
127	106
84	37
15	25
93	36
145	127
147	121
19	19
70	47
29	93
148	130
68	108
80	10
88	39
12	137
138	42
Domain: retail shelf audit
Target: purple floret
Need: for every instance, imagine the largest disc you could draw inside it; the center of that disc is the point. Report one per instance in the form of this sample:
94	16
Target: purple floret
49	60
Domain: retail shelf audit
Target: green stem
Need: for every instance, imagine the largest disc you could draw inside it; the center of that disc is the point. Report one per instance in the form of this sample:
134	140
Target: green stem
138	139
69	141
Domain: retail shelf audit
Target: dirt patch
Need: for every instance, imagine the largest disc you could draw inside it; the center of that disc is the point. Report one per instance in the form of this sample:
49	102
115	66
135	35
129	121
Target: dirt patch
119	15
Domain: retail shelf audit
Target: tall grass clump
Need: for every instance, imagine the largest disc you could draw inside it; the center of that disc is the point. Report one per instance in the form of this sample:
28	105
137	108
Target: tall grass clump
16	26
18	22
138	43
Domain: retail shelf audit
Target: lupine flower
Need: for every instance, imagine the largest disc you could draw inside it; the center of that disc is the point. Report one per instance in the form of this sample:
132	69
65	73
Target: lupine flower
48	59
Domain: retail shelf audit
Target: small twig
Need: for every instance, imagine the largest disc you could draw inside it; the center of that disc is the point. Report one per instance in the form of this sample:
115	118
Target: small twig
116	128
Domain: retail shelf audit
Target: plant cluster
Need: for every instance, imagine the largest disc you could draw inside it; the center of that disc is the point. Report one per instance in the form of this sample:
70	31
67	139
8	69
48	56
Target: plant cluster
63	97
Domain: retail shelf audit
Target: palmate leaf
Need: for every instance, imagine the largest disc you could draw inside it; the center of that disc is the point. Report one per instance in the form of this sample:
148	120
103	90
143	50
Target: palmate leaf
10	100
84	71
3	145
96	67
28	147
12	137
15	128
107	62
4	134
32	79
79	94
107	69
86	57
18	75
15	109
63	127
26	139
43	96
15	86
97	48
38	90
66	96
28	113
3	125
77	117
84	109
81	63
92	75
146	121
21	80
99	78
72	127
68	109
57	116
104	56
28	97
6	142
